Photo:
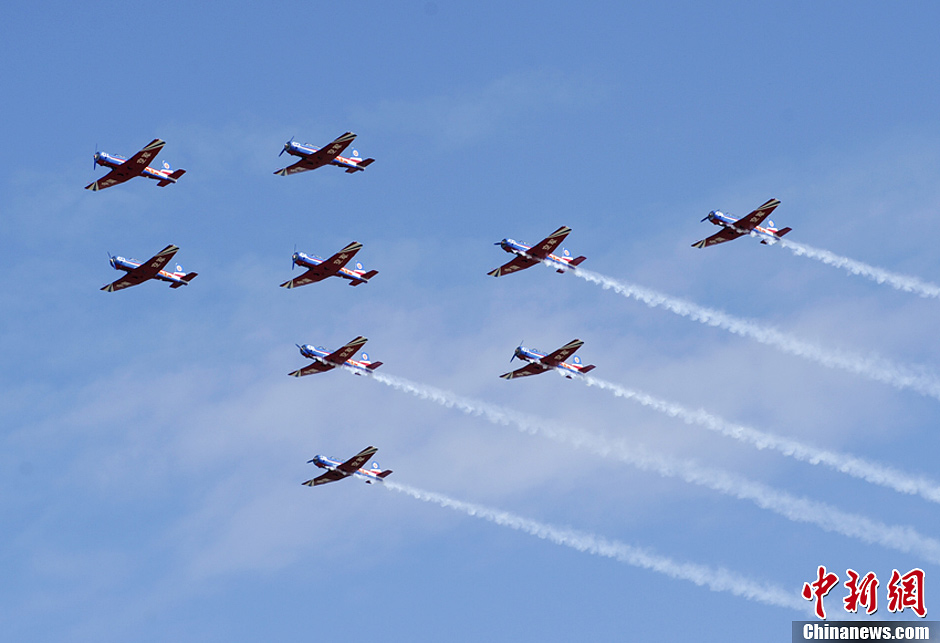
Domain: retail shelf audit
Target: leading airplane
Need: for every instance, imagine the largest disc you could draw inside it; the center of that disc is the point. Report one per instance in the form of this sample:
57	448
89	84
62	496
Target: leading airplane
539	362
313	157
319	269
137	165
528	256
337	470
138	272
324	360
732	228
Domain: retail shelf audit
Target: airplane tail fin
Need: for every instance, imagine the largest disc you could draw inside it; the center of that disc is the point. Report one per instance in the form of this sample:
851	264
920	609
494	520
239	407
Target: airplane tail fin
574	262
367	276
172	178
186	279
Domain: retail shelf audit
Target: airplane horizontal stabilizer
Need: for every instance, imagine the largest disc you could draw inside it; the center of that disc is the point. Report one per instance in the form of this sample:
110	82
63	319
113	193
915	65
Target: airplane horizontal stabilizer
385	473
585	369
782	232
366	162
366	277
373	365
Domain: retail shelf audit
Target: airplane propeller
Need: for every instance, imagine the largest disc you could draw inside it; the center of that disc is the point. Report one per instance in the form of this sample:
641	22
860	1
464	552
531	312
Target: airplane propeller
287	145
704	220
94	164
293	257
514	352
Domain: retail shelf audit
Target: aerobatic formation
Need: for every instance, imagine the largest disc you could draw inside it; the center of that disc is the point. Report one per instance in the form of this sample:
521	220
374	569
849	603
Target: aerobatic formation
562	360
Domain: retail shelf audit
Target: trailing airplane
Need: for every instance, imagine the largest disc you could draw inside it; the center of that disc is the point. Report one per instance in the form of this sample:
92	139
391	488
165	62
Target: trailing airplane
319	269
137	165
539	362
337	470
138	273
733	228
324	360
528	256
313	157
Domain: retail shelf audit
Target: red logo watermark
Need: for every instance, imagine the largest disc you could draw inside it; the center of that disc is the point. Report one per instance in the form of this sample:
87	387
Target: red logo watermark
904	591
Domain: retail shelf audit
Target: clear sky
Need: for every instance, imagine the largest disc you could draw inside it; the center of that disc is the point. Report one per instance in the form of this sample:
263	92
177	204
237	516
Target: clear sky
153	445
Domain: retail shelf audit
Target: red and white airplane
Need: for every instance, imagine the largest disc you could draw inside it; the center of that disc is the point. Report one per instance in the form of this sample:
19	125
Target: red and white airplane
319	269
337	470
313	157
733	228
137	165
324	360
539	362
528	256
138	272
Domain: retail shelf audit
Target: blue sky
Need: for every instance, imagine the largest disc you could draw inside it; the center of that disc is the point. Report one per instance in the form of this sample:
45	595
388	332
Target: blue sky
152	445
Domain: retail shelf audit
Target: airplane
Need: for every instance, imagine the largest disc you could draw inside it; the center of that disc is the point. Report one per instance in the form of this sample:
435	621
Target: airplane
528	256
324	360
313	157
539	362
337	470
137	165
318	269
733	228
138	273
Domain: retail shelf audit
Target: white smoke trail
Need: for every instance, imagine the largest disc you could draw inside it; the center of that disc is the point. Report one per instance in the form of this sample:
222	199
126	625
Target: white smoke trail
851	465
715	579
900	538
878	275
915	378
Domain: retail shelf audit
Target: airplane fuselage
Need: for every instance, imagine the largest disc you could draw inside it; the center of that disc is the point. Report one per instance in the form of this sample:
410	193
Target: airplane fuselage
112	161
534	356
319	353
304	150
767	235
312	261
521	249
120	263
369	475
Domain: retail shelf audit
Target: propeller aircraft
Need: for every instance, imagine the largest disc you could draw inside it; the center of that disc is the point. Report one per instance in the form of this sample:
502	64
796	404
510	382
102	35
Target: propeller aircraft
313	157
138	272
528	256
337	470
732	228
539	362
324	360
138	165
319	269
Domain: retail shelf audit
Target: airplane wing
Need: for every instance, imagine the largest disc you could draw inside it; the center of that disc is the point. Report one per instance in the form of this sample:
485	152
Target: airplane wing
144	271
355	463
323	156
329	267
316	367
754	219
134	166
329	476
517	264
525	371
340	355
725	234
563	353
545	247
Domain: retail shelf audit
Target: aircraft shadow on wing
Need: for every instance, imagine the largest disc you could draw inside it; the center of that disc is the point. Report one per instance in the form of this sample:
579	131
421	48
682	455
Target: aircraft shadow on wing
732	228
337	470
528	256
313	157
138	165
138	272
319	269
539	362
324	360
